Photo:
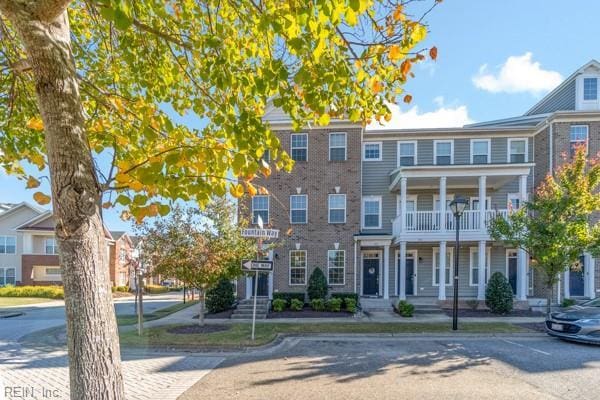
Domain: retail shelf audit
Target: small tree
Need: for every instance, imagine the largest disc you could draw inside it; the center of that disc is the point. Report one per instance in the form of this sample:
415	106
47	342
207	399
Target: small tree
317	285
498	294
554	228
220	297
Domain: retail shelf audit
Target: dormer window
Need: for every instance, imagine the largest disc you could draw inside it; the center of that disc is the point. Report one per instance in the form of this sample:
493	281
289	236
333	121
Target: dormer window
590	89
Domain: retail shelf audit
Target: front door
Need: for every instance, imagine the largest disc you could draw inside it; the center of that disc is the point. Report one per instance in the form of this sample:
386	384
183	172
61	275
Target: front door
410	276
262	290
370	276
512	262
576	286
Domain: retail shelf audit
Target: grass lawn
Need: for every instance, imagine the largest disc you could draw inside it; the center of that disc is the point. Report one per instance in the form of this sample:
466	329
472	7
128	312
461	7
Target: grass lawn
131	319
21	301
238	335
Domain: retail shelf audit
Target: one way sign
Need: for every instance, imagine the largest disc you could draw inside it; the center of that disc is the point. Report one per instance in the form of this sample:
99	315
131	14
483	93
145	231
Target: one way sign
256	265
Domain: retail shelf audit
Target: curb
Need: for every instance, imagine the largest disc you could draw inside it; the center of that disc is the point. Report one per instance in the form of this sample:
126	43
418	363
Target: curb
11	314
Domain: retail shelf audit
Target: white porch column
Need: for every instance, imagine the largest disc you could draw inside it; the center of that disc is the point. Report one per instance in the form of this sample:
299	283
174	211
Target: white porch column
523	188
403	204
522	275
567	284
443	208
27	243
590	273
442	263
482	207
402	271
386	271
481	271
249	282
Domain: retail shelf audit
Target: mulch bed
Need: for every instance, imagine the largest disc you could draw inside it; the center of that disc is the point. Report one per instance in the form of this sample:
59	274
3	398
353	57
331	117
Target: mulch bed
487	313
194	329
308	312
220	315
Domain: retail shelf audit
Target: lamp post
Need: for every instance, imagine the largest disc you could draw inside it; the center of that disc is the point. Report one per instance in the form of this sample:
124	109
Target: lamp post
457	206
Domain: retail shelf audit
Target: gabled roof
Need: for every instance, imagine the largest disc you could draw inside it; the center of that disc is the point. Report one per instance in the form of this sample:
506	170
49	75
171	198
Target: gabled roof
15	207
522	121
33	222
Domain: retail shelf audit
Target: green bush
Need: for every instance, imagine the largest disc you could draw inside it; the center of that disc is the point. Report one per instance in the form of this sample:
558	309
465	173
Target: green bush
405	309
46	292
334	305
220	297
279	305
568	303
499	294
296	305
156	289
350	304
123	289
318	304
317	285
344	296
288	296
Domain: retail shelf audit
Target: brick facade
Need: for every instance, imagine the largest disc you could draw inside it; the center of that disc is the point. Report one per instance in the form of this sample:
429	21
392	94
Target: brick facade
115	264
31	260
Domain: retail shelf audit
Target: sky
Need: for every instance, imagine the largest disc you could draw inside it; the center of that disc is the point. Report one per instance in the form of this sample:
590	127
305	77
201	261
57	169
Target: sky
496	59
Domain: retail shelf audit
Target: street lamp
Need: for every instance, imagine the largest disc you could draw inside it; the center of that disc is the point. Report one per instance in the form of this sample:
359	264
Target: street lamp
457	206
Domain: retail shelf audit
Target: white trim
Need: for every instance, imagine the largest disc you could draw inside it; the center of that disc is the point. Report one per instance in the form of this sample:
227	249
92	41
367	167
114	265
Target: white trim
435	155
588	105
414	254
436	198
298	148
290	267
516	251
54	245
472	199
449	266
3	238
329	208
400	142
268	208
338	147
489	149
3	275
409	197
370	198
587	136
488	256
299	209
379	144
362	267
344	267
508	154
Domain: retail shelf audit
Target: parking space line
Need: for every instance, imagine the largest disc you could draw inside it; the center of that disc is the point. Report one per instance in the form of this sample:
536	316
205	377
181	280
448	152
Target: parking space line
527	347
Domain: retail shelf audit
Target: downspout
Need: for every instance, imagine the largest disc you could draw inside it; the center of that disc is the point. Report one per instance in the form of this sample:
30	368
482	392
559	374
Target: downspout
551	148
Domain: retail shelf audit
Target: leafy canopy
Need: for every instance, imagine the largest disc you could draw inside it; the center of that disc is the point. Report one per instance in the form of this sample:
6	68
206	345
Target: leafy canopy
220	62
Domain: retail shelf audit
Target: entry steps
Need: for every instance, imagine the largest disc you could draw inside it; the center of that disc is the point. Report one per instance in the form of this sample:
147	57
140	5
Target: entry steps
244	308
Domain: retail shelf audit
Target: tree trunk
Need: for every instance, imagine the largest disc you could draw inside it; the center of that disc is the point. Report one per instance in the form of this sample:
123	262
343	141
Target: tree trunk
201	303
92	337
549	295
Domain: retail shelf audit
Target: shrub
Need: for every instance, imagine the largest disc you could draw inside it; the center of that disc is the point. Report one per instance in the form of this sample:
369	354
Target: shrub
344	296
334	305
279	305
220	297
568	303
318	304
156	289
288	296
46	292
405	309
499	295
124	289
317	285
350	304
296	305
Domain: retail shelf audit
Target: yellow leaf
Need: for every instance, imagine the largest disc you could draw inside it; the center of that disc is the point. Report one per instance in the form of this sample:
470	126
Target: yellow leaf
399	14
251	189
236	190
324	119
41	198
122	178
265	168
35	123
263	190
32	182
376	86
395	52
418	33
136	185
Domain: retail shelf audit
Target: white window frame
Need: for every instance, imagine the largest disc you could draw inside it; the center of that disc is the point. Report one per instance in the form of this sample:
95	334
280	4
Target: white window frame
583	79
344	268
398	156
508	153
364	147
449	268
436	199
54	268
587	105
254	222
290	267
345	147
489	149
364	200
587	137
435	155
329	208
473	199
3	238
298	148
510	197
409	197
488	261
4	274
305	209
53	245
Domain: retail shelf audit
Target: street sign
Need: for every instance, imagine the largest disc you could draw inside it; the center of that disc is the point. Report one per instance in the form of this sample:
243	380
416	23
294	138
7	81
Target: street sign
256	265
260	233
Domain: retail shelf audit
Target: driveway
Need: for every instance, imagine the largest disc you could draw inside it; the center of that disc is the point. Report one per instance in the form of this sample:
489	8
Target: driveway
422	367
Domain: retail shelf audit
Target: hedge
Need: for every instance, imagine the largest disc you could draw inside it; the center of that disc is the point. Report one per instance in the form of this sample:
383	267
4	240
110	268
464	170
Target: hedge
124	289
156	289
344	296
288	296
46	292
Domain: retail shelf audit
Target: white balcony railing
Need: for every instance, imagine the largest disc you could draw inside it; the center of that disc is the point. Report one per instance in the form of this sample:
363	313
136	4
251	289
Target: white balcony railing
432	221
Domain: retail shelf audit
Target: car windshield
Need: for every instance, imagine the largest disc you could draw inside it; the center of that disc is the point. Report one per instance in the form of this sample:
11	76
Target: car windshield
592	303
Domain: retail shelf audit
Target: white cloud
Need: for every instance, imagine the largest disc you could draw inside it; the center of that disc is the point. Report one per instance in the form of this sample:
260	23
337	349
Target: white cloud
518	74
443	117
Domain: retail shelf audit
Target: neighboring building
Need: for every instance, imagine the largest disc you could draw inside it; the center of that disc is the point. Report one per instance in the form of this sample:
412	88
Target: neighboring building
121	251
371	207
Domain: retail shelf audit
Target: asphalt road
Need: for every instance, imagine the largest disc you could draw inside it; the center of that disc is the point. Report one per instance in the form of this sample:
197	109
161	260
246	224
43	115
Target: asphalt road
506	367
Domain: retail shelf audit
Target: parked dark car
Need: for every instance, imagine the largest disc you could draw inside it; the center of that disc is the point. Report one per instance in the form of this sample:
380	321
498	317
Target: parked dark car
579	323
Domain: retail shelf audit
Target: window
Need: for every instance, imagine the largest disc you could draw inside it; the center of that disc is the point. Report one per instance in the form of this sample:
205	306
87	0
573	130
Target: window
590	88
407	154
443	152
51	246
299	146
337	146
372	212
480	151
436	265
336	264
7	276
298	206
474	266
513	201
578	137
337	208
8	244
260	207
53	271
297	267
372	151
517	150
122	255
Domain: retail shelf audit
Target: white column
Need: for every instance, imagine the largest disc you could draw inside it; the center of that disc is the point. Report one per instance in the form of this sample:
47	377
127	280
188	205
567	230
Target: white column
590	264
403	204
249	282
443	205
442	263
402	271
27	243
523	188
567	284
482	268
386	271
482	207
522	275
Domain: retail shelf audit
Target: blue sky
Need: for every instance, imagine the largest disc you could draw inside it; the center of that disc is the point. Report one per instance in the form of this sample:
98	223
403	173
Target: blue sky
526	47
